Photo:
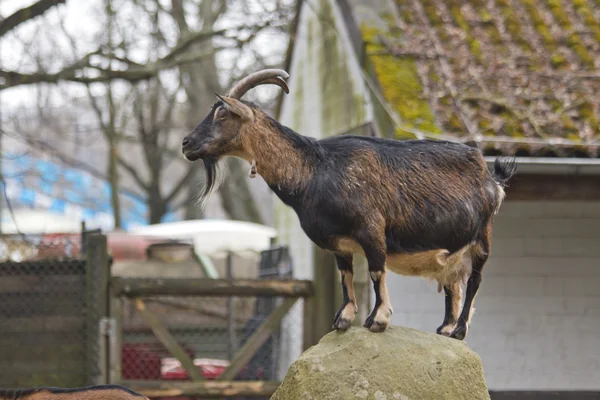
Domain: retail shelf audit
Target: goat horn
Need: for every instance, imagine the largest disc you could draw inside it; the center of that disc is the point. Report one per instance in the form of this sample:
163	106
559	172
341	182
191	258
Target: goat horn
266	76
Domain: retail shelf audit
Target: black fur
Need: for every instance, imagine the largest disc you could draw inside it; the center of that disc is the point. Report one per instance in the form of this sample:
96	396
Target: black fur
504	170
323	213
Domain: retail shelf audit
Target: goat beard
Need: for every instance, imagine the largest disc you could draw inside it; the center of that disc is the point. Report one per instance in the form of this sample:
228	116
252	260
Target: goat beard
214	178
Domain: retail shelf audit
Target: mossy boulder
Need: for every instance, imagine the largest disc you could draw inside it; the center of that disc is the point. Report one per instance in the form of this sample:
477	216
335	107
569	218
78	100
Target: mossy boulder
398	364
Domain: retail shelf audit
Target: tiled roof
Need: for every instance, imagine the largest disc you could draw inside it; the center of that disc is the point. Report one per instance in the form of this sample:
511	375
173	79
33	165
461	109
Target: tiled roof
517	76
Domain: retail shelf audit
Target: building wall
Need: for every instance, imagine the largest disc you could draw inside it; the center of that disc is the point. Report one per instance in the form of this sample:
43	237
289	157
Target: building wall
537	312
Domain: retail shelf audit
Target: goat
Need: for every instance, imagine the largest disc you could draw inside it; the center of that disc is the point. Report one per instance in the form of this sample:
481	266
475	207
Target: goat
416	207
99	392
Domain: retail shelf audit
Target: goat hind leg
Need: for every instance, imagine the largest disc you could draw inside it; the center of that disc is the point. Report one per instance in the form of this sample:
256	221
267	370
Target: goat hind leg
479	259
345	315
453	296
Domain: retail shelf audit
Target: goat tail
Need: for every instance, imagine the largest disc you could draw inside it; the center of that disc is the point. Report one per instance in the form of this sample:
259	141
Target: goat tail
504	170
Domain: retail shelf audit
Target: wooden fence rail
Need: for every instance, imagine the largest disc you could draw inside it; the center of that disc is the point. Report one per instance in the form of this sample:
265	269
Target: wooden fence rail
204	389
136	289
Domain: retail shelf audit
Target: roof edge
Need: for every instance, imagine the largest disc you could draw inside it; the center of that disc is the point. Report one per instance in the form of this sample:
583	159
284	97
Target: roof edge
551	165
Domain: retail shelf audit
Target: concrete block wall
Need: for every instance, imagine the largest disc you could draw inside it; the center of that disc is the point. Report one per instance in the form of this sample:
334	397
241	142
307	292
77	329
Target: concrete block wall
537	314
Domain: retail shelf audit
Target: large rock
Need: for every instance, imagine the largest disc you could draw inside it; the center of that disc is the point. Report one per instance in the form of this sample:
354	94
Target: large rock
398	364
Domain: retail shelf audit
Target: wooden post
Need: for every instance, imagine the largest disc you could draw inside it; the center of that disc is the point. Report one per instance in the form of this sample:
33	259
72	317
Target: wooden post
308	323
97	278
324	292
230	311
115	340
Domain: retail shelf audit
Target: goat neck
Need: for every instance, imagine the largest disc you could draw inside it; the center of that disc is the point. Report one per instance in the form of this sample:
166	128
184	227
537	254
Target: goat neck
283	158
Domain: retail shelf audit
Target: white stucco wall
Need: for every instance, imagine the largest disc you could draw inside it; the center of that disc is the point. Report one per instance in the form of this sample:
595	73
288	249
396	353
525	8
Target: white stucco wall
537	312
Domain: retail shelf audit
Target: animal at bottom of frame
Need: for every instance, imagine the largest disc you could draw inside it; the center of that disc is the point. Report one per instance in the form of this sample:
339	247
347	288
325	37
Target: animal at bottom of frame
97	392
415	207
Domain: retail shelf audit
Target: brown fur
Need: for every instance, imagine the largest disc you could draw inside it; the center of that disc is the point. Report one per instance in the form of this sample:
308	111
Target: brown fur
445	268
90	394
276	159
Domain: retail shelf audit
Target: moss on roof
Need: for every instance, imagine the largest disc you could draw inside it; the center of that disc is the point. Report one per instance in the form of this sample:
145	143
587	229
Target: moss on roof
525	72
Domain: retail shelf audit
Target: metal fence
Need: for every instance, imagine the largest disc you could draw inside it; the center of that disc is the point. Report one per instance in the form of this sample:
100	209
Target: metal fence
48	315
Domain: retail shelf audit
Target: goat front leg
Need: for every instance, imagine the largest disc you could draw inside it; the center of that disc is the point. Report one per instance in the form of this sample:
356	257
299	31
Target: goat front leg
453	296
380	317
345	315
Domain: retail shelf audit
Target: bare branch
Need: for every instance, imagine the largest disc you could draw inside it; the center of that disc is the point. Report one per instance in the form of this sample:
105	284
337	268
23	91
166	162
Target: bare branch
180	185
133	172
75	72
26	14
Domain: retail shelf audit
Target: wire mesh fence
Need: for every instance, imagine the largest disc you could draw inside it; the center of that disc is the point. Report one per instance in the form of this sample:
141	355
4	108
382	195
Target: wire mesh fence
211	330
45	313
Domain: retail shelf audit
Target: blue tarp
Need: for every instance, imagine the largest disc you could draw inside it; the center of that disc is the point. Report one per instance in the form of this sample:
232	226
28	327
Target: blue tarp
35	183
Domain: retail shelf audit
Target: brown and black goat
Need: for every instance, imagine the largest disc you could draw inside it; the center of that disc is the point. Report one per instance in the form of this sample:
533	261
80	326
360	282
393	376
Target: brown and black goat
415	207
99	392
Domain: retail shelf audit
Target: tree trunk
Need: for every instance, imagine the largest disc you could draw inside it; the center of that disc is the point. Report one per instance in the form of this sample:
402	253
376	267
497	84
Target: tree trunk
156	204
113	179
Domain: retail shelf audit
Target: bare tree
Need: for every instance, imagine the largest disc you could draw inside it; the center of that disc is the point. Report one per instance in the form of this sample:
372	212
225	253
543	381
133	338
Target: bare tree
147	60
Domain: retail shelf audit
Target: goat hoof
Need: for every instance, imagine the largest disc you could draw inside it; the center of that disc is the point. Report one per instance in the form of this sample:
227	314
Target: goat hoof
443	333
459	333
368	322
445	330
342	324
378	326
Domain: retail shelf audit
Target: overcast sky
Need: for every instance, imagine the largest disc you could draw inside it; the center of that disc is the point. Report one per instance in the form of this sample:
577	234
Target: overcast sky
81	21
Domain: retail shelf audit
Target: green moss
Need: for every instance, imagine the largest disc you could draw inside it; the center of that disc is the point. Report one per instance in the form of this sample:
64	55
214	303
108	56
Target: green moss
513	25
400	84
558	61
435	20
488	20
455	123
432	76
586	112
512	126
460	21
553	102
568	126
586	14
531	6
573	39
476	49
405	13
485	125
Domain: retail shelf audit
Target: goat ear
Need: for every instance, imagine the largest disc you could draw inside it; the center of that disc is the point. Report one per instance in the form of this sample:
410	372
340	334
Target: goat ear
237	107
